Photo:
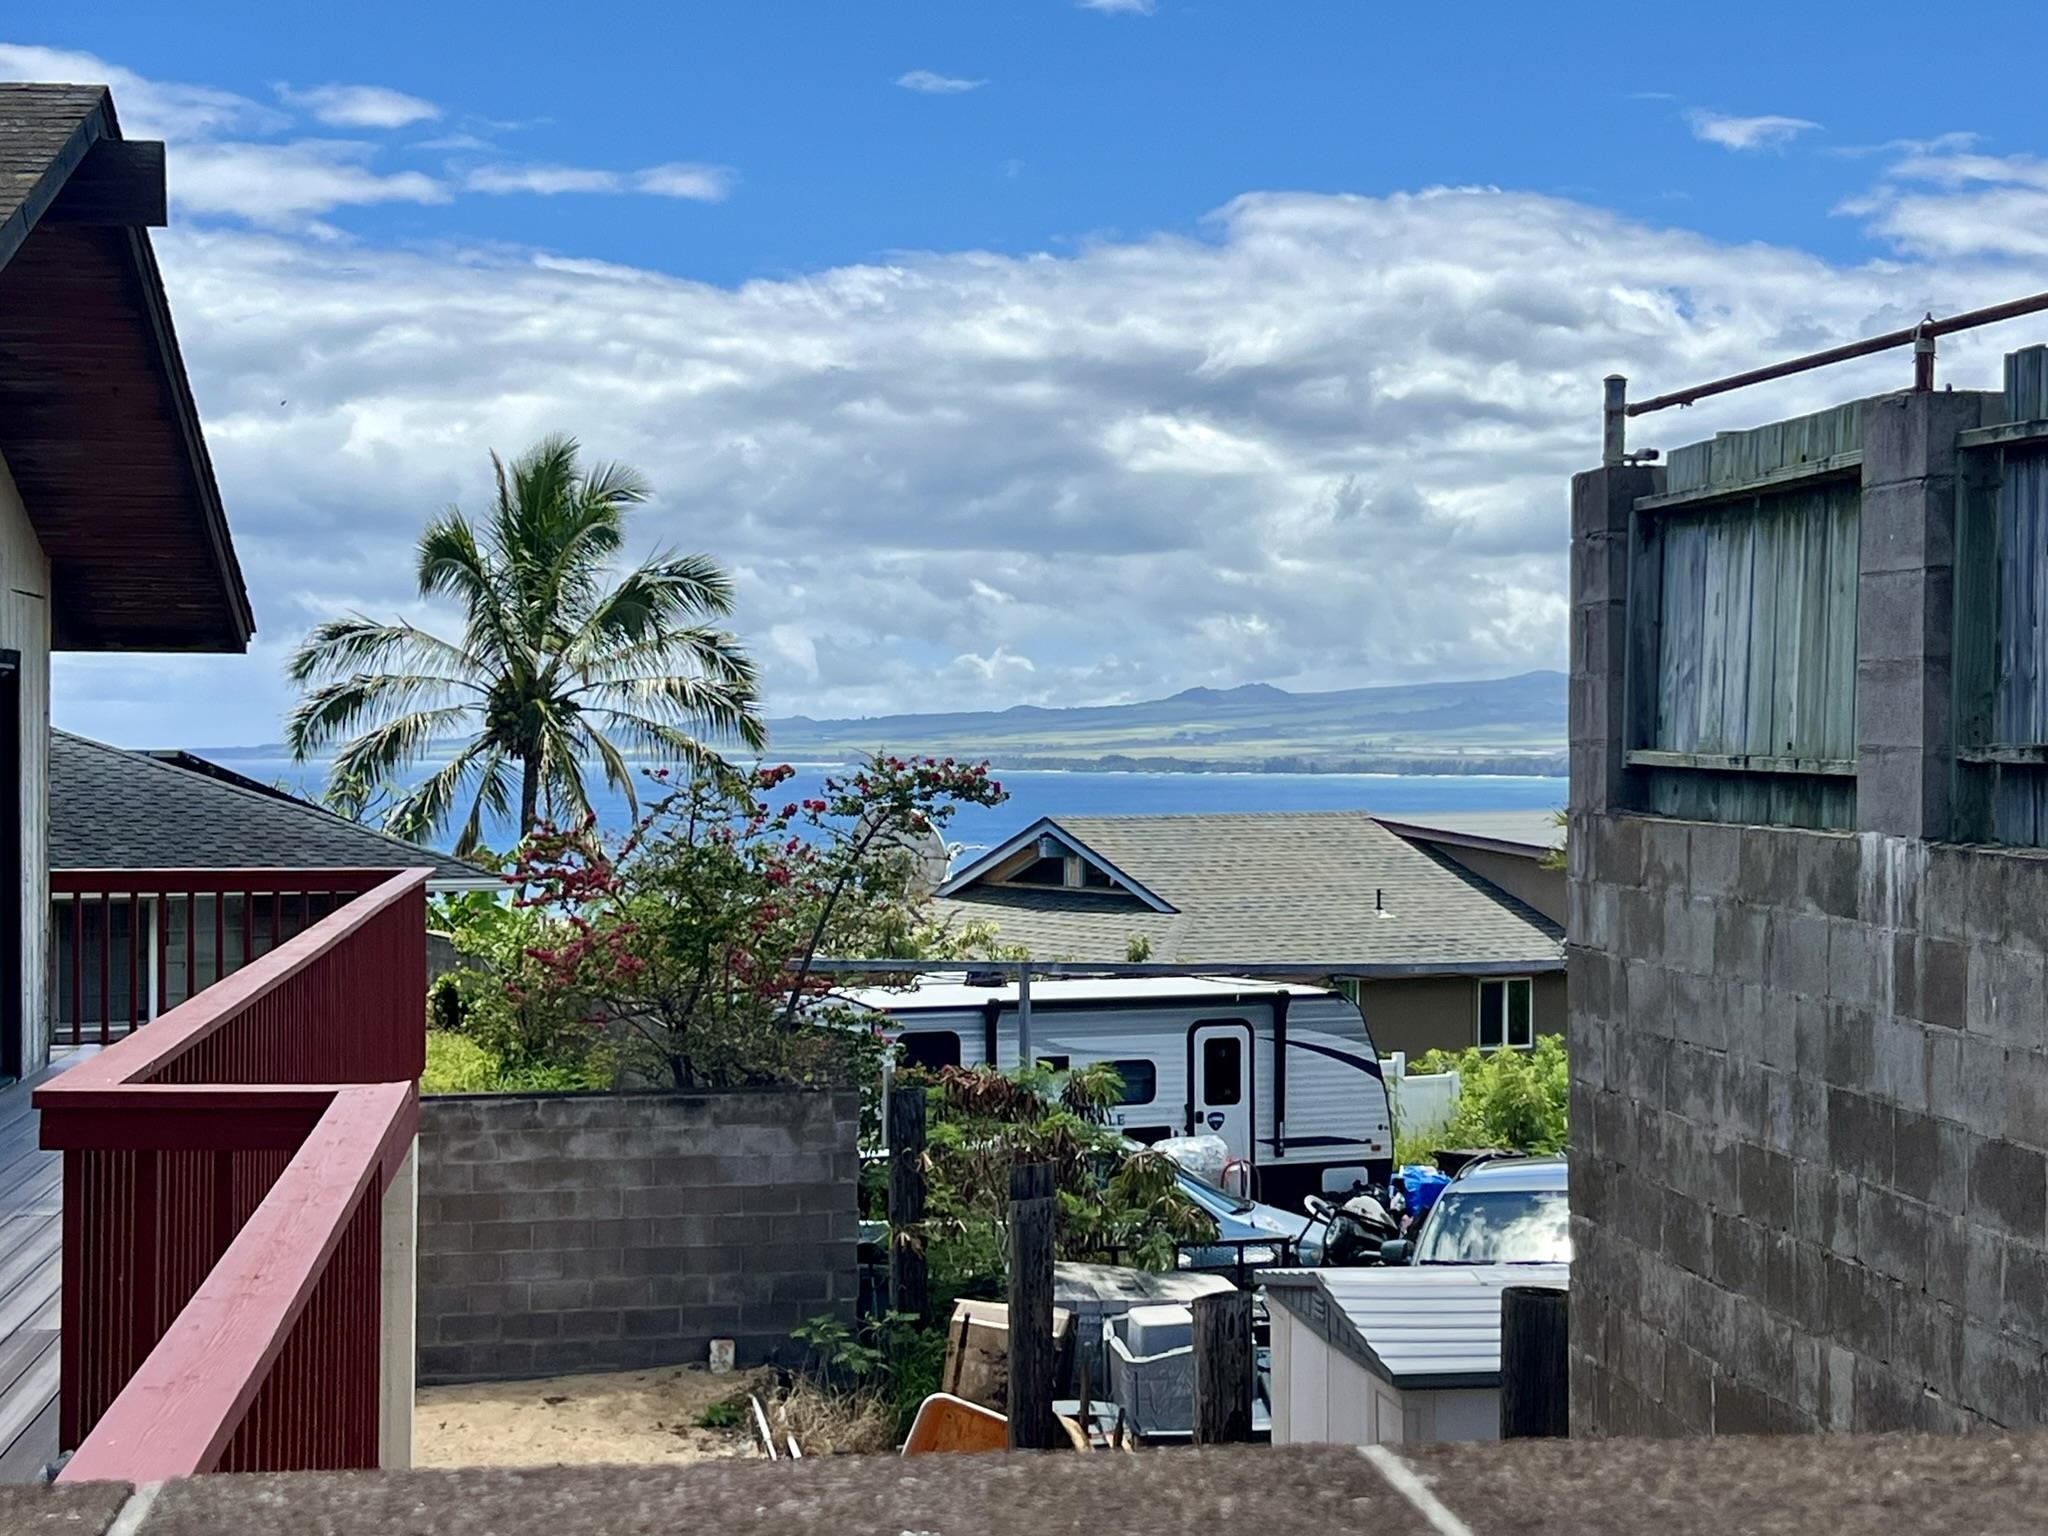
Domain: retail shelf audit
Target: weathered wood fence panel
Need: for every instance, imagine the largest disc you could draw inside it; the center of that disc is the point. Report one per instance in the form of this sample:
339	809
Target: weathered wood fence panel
1756	651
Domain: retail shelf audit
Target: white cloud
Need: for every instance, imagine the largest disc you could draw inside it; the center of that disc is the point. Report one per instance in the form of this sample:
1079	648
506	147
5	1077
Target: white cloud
1120	7
360	106
149	109
932	84
1747	133
286	184
542	180
1323	444
699	183
1946	205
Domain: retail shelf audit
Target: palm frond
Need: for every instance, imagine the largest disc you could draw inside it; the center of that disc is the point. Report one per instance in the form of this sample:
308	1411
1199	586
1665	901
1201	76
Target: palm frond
420	813
722	708
382	750
360	644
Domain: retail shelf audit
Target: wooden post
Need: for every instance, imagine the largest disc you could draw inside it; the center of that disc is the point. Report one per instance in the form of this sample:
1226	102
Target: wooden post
1224	1368
1535	1361
909	1288
1032	1210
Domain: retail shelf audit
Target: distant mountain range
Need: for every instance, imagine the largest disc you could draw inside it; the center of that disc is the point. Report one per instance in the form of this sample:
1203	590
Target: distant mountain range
1498	725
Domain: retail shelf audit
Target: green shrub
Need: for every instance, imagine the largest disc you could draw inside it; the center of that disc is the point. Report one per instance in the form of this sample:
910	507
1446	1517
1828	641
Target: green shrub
1511	1099
457	1064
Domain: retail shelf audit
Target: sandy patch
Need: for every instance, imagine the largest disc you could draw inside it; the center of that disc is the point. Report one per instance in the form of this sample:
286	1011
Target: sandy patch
617	1416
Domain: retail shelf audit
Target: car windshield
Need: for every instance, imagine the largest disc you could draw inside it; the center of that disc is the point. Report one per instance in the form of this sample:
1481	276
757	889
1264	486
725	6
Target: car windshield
1237	1205
1501	1227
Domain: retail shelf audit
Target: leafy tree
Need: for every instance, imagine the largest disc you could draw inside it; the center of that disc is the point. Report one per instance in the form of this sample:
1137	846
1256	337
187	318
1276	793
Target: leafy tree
557	664
696	938
1115	1202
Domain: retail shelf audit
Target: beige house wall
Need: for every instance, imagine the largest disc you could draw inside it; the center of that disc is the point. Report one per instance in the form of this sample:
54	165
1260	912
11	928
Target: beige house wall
25	627
1442	1012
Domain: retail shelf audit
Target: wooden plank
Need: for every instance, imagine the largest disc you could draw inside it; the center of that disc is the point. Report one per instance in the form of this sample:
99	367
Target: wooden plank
1714	598
1767	566
1225	1368
909	1283
32	1394
1838	466
1838	737
1033	1210
2006	434
1535	1361
33	1449
1721	762
1645	662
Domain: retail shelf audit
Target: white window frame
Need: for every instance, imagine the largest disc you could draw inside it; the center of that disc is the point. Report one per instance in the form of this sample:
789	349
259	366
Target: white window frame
1505	1043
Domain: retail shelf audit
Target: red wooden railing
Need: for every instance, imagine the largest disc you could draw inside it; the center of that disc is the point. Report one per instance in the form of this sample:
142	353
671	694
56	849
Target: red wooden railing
224	1171
131	944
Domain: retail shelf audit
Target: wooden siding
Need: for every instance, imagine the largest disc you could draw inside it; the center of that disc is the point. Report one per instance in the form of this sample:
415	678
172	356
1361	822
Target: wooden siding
2001	634
1742	652
1756	653
25	627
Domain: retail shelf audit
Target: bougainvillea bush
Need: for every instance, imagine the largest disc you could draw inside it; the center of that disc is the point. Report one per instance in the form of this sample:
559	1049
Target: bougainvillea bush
693	940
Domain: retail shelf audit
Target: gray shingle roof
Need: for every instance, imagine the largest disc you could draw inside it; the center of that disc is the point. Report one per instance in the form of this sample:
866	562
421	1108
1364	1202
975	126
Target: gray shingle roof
111	809
44	131
1268	888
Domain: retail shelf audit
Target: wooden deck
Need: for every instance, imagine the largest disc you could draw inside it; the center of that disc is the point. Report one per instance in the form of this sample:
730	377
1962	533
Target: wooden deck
31	1191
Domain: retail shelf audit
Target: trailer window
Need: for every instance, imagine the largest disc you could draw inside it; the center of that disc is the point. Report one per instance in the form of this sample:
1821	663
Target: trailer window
1148	1135
930	1049
1222	1069
1140	1080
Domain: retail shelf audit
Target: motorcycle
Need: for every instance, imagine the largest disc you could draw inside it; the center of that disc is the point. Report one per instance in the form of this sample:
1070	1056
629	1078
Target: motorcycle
1357	1227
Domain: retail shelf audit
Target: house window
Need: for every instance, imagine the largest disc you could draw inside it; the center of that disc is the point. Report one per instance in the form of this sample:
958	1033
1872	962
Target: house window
1042	872
1140	1080
930	1049
1507	1014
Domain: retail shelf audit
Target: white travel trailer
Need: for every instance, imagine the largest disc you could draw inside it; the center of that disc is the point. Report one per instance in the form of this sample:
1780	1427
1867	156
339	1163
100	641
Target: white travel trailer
1286	1075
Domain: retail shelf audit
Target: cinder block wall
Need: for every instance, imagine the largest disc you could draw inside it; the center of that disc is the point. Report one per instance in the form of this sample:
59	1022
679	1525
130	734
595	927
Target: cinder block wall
617	1231
1809	1131
1810	1069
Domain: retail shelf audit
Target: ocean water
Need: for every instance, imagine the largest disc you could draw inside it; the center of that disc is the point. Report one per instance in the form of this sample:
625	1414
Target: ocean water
1035	793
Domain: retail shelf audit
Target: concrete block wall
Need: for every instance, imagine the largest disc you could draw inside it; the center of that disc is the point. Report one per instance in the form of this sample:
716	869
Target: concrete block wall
565	1233
1809	1131
1809	1069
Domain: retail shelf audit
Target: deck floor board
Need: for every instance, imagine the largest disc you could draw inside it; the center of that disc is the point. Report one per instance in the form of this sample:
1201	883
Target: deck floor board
31	1191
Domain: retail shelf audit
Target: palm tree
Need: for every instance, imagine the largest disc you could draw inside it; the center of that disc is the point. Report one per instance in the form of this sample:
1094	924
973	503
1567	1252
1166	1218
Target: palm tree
554	667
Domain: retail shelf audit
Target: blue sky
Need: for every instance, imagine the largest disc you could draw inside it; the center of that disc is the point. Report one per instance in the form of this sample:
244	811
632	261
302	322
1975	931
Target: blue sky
1038	351
1099	122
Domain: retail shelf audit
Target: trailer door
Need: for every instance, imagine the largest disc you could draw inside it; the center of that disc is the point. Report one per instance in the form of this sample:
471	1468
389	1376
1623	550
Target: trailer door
1220	1083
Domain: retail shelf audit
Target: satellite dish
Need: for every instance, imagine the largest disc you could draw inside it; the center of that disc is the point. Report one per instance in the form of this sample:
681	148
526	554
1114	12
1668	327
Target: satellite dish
930	858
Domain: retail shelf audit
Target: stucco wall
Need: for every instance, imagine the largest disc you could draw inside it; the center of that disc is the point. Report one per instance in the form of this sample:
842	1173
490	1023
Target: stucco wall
1442	1012
1526	879
25	627
596	1232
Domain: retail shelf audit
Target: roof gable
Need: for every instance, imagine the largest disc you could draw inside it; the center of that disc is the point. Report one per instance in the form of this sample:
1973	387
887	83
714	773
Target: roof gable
98	427
989	866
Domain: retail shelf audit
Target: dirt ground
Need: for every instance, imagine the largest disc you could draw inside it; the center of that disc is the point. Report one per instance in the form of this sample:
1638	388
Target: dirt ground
621	1416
